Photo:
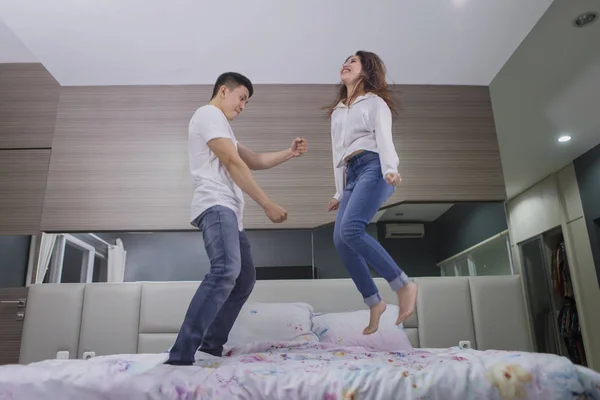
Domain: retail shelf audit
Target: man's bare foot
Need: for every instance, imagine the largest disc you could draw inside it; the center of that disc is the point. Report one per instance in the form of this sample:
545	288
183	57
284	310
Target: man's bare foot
376	312
407	300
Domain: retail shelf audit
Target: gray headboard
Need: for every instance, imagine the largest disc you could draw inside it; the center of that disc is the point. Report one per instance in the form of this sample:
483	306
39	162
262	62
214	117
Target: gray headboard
144	317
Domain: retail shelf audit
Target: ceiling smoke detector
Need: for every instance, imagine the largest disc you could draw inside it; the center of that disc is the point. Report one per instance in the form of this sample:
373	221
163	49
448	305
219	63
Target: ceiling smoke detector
585	19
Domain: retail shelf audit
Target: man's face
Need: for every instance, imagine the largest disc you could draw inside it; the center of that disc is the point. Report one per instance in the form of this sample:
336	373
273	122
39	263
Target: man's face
234	101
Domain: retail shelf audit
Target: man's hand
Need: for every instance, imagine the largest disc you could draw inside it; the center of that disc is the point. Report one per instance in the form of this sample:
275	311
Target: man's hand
333	205
298	147
275	213
393	178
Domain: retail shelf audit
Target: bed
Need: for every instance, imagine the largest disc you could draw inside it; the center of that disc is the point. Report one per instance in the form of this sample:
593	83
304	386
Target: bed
469	339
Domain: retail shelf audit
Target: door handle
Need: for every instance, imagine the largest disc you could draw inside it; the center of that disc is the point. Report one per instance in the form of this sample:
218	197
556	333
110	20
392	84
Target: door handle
19	302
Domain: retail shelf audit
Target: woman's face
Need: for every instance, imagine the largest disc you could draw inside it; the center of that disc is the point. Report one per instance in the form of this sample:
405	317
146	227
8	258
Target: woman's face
351	70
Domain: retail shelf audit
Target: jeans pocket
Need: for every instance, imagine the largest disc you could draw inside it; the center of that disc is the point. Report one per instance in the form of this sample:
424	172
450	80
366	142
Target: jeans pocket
209	219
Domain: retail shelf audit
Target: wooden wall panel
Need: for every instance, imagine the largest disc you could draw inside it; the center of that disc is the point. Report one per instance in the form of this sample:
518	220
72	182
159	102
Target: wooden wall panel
119	159
28	100
447	144
11	326
23	176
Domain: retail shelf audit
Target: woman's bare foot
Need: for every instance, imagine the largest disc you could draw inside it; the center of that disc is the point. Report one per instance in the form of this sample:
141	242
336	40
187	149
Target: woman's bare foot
376	312
407	300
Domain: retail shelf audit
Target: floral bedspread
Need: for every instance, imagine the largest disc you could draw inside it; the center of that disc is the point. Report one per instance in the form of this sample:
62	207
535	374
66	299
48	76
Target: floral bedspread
306	371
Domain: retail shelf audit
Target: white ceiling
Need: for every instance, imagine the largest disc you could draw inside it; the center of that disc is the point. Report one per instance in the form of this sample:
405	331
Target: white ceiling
550	86
12	49
272	41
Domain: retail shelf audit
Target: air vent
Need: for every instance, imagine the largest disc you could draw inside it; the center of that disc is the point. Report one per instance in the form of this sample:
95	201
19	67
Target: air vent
404	231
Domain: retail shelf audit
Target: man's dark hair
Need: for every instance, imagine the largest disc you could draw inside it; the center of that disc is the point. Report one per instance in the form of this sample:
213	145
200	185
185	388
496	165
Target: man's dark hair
232	80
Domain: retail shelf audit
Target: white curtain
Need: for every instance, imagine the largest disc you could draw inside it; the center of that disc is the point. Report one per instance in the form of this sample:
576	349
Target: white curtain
46	247
116	262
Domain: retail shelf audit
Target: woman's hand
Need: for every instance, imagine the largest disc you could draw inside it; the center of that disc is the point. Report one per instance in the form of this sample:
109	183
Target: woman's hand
393	178
333	205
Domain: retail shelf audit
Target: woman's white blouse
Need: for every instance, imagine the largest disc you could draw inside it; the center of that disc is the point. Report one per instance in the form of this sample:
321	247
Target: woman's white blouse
365	125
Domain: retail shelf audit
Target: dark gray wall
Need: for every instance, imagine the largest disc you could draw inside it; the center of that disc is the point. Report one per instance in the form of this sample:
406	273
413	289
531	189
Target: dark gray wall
461	227
164	256
416	257
100	270
587	170
14	254
175	256
328	263
285	248
180	256
466	224
71	270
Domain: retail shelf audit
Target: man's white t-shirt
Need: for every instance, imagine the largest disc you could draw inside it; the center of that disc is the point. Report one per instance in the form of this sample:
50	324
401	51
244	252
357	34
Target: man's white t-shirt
212	183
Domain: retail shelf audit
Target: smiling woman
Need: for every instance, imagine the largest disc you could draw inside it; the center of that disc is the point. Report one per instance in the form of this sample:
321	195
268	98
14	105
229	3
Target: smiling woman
363	68
366	174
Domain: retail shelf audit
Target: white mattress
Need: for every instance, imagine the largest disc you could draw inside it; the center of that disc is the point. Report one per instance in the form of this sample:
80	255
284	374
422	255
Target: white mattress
305	370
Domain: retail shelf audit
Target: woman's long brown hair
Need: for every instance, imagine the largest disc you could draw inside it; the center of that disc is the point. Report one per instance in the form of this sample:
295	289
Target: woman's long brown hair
373	81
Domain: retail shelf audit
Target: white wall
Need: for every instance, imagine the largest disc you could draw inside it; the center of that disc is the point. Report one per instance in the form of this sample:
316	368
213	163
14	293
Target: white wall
534	211
554	202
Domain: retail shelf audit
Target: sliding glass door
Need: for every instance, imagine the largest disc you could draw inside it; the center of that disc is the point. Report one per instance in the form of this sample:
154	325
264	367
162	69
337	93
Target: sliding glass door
536	274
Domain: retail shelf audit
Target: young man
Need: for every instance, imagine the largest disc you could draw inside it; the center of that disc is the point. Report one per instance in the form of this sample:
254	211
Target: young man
220	167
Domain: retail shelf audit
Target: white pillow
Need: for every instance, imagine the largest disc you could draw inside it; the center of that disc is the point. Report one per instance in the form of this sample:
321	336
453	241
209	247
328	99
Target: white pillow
346	330
272	322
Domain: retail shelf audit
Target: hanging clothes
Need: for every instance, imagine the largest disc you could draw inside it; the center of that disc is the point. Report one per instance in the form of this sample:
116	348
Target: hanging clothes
560	273
568	318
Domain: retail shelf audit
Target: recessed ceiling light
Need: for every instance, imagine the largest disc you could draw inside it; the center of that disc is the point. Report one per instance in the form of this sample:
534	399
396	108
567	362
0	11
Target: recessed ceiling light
585	19
564	138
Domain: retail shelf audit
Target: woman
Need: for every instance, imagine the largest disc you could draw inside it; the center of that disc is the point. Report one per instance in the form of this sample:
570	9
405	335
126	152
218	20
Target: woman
365	158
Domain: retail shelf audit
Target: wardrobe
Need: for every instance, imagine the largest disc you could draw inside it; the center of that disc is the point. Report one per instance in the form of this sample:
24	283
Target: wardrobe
552	304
